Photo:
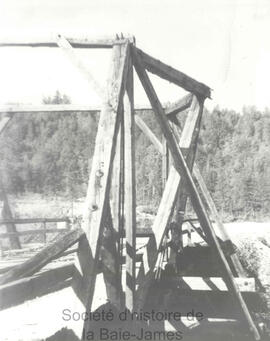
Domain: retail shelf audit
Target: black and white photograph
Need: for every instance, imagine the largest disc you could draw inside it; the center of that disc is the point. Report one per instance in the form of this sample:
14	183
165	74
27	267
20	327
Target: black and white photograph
134	170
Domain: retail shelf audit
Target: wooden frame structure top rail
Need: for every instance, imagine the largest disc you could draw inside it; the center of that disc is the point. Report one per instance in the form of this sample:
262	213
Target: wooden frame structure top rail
85	43
151	64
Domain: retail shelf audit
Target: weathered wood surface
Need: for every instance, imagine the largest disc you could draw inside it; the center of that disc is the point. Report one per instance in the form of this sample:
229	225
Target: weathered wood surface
19	291
172	75
148	132
66	47
34	220
4	122
27	232
74	42
7	215
100	175
110	264
178	106
182	168
129	191
111	244
6	211
165	162
43	257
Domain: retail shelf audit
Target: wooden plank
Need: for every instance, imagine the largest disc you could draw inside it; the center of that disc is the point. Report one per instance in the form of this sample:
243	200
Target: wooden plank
27	232
69	52
6	211
172	75
148	132
17	292
99	179
7	214
129	191
43	257
140	232
33	220
208	283
182	168
4	122
115	193
104	43
165	163
110	265
178	106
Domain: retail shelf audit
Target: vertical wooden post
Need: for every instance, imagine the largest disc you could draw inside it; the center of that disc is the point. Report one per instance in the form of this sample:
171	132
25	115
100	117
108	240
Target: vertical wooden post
1	250
111	263
165	162
96	206
130	195
44	232
7	214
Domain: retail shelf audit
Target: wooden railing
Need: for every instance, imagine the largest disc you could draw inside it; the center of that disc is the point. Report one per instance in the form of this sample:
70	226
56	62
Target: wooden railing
44	230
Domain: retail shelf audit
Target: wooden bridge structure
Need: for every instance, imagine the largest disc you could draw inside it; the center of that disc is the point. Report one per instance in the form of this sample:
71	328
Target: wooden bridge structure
109	217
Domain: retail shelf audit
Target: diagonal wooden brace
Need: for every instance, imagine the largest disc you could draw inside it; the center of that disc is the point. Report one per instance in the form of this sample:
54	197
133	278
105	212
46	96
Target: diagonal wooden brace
224	238
182	168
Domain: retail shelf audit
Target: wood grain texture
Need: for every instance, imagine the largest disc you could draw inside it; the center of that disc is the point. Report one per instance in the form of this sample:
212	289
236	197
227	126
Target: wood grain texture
100	176
172	75
43	257
130	191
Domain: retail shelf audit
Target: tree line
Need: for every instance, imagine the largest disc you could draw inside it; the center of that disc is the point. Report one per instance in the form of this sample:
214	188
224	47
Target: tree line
50	154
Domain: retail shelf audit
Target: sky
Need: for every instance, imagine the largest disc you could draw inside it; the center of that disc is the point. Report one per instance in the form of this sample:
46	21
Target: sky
222	43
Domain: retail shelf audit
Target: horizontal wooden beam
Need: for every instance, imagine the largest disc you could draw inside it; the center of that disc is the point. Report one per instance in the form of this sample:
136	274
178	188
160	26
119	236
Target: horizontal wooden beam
51	252
27	232
85	43
172	75
172	109
19	291
209	283
141	232
34	220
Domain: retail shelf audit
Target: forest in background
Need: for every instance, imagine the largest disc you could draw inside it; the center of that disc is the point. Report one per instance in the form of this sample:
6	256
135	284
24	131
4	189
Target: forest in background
50	154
